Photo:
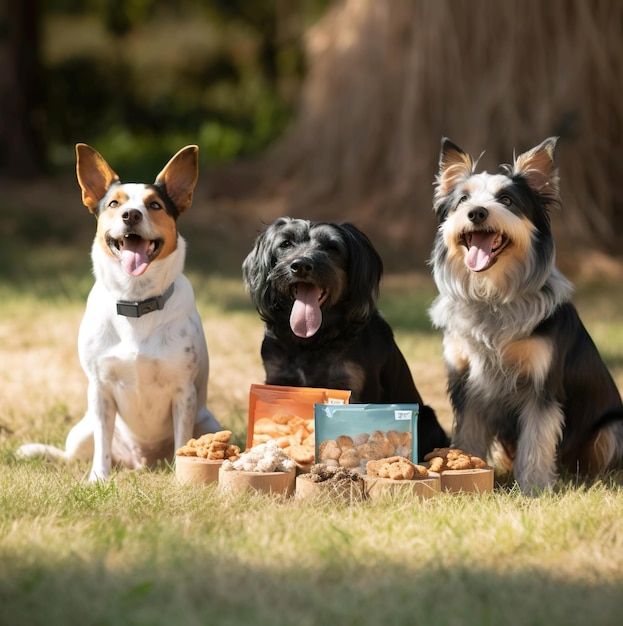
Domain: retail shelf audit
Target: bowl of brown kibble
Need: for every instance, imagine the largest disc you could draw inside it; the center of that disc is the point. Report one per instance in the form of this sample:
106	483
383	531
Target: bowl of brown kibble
199	461
460	471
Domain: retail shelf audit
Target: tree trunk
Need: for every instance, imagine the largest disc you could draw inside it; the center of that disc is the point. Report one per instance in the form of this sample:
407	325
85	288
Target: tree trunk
388	79
22	113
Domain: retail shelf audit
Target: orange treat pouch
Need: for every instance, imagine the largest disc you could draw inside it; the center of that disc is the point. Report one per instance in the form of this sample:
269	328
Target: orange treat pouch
286	415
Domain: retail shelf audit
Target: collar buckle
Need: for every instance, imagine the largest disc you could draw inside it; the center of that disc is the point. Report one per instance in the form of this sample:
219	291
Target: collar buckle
140	308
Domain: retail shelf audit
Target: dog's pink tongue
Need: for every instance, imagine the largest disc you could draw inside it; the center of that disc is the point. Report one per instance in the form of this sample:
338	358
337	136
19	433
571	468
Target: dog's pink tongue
134	259
306	315
479	255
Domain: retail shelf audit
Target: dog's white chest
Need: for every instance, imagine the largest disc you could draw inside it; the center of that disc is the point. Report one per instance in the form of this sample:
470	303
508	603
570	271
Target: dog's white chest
142	378
131	372
143	388
143	365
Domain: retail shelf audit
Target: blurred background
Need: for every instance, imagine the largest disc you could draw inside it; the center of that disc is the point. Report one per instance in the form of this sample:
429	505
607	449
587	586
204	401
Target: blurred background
322	109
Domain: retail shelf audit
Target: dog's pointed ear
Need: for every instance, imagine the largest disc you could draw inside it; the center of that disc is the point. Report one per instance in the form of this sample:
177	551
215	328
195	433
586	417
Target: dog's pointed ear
537	167
95	176
455	165
179	177
365	269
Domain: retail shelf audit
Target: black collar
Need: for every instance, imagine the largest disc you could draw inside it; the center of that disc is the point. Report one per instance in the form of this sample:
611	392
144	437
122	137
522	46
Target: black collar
136	309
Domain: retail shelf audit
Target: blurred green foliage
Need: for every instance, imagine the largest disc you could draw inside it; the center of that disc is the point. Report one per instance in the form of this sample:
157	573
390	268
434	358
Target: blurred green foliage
141	78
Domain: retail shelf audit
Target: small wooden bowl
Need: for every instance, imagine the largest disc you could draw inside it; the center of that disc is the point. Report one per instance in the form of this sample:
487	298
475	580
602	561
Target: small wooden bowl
195	470
467	481
345	490
423	488
282	483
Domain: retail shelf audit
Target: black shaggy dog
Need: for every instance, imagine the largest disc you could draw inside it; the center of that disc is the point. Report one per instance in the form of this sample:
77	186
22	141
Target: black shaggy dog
315	286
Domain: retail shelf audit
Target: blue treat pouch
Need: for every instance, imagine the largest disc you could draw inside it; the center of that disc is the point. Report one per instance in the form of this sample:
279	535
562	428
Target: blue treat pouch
350	435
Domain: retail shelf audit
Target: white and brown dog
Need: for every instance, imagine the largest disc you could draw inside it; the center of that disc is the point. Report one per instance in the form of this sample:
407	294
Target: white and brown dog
141	341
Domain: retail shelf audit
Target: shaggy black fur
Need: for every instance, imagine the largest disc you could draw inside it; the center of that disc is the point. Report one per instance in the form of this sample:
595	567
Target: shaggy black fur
344	341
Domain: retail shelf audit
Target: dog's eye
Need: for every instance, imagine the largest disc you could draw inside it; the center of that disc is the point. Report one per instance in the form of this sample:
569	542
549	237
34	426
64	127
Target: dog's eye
113	204
285	244
463	198
505	200
155	205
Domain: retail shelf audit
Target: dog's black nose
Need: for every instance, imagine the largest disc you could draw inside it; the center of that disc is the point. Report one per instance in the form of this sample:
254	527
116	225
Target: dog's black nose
301	267
478	215
132	217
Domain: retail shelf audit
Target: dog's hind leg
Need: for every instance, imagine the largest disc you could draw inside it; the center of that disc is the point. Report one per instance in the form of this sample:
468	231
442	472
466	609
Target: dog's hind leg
79	442
78	445
604	450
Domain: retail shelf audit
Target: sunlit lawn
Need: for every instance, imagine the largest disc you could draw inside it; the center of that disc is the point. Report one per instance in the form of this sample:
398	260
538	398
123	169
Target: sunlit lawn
142	549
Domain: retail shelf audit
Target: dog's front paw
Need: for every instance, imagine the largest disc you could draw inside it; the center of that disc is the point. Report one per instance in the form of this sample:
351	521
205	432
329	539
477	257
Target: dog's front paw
535	484
533	490
535	470
98	474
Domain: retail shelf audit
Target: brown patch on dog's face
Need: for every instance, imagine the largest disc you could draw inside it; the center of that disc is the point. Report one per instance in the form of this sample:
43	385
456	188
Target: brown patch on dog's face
163	222
108	215
134	226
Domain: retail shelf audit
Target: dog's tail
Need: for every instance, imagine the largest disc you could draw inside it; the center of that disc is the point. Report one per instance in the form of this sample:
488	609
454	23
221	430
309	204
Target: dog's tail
607	418
607	434
41	450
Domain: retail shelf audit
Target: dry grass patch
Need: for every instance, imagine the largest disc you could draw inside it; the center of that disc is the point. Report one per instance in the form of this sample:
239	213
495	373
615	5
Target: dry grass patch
142	549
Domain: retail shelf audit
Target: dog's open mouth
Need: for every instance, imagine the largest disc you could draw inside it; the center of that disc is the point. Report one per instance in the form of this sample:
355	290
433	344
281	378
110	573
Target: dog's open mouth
134	252
483	248
306	315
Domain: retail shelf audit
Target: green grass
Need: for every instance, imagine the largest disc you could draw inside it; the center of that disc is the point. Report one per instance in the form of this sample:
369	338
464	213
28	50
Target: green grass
142	549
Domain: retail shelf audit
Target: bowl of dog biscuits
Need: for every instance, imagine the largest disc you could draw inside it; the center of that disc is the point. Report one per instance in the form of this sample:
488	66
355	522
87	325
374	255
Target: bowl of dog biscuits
460	471
397	475
199	460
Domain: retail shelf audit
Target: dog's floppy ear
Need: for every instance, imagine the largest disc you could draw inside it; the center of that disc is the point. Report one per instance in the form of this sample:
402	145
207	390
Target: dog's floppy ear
365	269
179	177
95	176
537	167
257	266
455	165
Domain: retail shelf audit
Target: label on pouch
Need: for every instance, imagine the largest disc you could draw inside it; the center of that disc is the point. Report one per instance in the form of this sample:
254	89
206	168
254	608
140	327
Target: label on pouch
403	415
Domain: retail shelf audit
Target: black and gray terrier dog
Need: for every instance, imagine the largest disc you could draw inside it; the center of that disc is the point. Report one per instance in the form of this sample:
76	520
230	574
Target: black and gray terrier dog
524	376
